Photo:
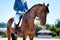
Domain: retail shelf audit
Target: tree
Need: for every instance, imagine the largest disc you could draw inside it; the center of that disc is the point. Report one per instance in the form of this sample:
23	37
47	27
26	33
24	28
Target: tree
58	23
3	25
47	26
58	30
53	28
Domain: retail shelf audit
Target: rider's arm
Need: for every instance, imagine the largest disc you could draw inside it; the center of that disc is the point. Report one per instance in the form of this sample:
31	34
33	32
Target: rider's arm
26	5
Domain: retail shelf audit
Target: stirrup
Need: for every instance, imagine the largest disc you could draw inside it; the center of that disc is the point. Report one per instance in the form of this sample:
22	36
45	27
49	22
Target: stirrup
15	33
16	29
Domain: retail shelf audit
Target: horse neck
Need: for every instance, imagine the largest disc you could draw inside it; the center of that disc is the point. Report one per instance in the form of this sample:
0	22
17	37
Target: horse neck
31	14
27	19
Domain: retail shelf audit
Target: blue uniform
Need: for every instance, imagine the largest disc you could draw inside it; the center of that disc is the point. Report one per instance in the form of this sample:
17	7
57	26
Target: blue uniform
20	5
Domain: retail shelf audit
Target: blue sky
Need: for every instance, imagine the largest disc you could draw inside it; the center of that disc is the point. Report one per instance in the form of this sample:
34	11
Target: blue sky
6	9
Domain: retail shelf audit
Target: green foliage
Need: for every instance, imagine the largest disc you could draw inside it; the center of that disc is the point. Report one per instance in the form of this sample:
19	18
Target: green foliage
47	26
53	28
5	34
43	27
54	34
3	25
58	24
58	30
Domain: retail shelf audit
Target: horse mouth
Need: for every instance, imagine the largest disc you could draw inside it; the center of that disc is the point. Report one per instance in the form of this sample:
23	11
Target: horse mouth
42	23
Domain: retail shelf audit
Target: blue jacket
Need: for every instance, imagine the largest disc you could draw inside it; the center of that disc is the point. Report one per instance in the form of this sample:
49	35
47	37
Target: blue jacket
19	6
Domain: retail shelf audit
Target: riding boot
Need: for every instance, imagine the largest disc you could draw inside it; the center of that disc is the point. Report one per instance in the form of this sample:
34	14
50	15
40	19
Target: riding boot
16	26
19	22
20	19
16	29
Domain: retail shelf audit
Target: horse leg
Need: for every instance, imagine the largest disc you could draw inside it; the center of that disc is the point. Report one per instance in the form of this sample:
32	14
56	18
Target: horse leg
31	35
16	37
24	37
9	36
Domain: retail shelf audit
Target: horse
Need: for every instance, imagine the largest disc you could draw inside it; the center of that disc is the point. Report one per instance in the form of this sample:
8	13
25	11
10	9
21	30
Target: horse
27	27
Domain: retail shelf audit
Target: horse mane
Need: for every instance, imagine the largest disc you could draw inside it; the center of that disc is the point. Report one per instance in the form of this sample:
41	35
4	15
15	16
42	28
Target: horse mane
37	5
33	7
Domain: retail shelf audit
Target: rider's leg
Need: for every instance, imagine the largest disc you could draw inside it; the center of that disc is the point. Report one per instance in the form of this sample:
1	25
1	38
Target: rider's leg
17	19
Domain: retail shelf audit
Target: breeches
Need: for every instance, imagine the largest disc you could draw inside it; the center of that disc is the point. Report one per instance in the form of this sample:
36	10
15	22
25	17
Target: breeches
17	18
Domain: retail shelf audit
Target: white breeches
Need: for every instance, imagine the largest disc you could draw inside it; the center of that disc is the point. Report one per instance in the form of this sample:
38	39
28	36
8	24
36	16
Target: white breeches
16	19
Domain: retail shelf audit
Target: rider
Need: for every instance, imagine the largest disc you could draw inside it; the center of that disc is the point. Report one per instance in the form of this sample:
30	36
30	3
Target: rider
20	6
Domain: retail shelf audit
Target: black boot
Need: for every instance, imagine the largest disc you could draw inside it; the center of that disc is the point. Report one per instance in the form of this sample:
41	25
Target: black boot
16	29
20	20
16	26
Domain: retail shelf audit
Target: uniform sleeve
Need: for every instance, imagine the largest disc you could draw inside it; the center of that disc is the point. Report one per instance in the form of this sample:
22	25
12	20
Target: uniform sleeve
26	5
16	5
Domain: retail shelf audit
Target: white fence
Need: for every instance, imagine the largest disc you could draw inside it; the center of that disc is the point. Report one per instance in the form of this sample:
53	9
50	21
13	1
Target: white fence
3	29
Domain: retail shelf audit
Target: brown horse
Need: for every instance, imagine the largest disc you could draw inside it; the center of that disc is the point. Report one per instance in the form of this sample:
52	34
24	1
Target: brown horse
27	27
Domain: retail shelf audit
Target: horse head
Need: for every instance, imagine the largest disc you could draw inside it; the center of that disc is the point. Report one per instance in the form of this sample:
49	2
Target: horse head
42	12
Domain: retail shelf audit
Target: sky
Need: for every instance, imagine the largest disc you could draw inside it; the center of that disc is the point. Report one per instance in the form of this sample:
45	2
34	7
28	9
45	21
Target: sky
7	11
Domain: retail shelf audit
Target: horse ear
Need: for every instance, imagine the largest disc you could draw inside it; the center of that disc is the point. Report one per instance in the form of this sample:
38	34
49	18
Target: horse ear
47	5
43	3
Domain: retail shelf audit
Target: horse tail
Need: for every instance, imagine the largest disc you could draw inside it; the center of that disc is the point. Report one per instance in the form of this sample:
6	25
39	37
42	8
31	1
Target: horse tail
9	28
9	23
